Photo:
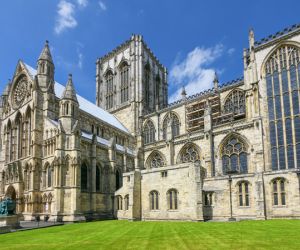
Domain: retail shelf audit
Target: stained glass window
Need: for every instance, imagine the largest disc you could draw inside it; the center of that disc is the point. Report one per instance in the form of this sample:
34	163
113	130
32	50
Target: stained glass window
149	132
235	102
173	119
282	79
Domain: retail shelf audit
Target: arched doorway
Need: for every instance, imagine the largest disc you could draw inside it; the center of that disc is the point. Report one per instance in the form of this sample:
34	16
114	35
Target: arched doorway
11	193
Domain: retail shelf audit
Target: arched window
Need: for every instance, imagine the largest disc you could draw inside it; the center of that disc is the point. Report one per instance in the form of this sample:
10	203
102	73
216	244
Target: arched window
282	86
279	193
235	102
118	179
173	121
189	154
149	132
243	194
124	75
26	133
154	200
234	156
84	177
8	142
126	202
172	197
119	202
98	180
49	176
109	90
155	160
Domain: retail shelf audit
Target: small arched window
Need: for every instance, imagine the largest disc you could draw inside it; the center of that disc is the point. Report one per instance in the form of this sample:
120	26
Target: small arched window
126	202
119	202
149	132
279	192
235	103
98	181
124	75
49	176
172	197
173	121
84	177
243	194
109	89
234	156
154	200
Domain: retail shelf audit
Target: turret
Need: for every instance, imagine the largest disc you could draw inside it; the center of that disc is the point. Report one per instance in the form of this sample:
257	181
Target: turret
68	111
45	69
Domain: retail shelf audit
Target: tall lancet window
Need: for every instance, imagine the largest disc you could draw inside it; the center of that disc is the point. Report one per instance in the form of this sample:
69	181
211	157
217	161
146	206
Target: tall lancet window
282	79
147	86
109	90
124	75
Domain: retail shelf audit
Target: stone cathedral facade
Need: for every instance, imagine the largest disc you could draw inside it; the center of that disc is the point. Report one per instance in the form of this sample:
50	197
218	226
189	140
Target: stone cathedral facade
229	153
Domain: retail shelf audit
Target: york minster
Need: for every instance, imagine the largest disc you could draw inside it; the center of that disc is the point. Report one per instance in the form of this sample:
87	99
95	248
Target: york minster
229	153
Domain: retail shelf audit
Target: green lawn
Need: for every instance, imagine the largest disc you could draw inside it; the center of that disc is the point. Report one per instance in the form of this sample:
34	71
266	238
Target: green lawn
272	234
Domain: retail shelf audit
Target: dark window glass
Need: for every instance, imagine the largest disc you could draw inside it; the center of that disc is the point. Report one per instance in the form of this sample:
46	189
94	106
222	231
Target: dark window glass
281	158
84	177
285	83
279	133
275	199
243	163
274	158
272	134
225	163
295	103
293	77
288	131
283	199
271	108
287	108
241	199
97	179
290	155
276	83
297	128
269	85
234	162
278	107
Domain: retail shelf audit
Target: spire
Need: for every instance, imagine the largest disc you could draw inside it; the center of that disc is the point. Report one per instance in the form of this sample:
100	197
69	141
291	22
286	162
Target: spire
216	81
183	93
46	54
69	92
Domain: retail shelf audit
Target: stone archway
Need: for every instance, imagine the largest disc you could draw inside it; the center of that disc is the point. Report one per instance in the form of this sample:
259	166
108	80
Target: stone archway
11	193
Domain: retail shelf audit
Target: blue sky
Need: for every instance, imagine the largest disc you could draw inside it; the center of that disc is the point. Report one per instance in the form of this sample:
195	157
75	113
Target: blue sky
191	38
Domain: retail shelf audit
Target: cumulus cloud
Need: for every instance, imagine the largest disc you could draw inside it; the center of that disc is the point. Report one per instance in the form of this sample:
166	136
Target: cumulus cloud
102	5
194	71
65	16
82	3
230	51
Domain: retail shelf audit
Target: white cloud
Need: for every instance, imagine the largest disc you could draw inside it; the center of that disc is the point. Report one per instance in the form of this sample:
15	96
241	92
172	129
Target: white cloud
230	51
102	5
65	18
82	3
80	59
194	72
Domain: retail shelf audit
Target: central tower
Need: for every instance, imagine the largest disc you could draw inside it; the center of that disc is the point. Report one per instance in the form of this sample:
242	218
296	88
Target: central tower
131	82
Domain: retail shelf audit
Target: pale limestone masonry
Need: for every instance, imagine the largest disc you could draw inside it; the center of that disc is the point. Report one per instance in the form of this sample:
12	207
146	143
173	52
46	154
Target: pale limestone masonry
229	153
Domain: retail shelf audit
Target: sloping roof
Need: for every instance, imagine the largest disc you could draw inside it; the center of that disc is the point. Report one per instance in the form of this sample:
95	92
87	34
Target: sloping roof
86	105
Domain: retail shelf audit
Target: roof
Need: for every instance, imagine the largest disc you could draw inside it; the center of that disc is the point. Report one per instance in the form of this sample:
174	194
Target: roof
86	105
277	35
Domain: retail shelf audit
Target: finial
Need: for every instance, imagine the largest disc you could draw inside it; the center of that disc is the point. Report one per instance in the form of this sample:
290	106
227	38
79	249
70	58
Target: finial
183	93
70	76
251	38
47	42
216	81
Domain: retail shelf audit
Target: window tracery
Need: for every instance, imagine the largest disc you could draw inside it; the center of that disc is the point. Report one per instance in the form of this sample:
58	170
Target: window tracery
235	102
109	90
279	192
189	154
154	200
124	74
234	156
156	160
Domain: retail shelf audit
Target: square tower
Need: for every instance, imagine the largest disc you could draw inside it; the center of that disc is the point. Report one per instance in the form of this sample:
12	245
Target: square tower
131	82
